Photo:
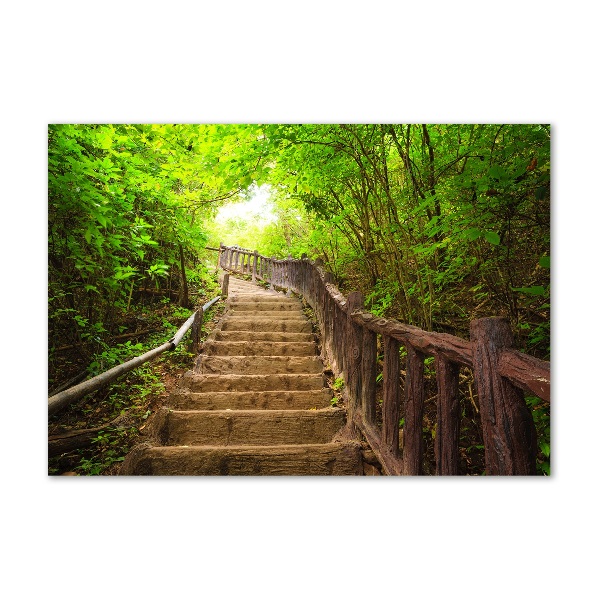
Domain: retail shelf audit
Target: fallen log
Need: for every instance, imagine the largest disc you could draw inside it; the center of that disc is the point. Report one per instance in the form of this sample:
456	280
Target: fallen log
78	438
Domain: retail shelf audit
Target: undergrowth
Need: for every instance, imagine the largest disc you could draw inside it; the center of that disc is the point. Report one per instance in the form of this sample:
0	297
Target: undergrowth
125	405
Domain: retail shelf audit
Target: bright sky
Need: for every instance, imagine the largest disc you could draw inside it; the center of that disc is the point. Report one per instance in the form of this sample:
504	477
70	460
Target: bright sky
257	208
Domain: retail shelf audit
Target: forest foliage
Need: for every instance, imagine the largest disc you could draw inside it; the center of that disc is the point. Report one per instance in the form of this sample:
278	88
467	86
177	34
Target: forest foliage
127	212
436	224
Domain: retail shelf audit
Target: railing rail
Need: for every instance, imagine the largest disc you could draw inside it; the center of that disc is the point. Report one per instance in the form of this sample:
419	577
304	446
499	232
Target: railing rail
67	397
349	335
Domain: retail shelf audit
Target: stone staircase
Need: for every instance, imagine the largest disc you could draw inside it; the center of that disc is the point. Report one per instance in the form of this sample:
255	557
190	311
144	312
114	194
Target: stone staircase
255	403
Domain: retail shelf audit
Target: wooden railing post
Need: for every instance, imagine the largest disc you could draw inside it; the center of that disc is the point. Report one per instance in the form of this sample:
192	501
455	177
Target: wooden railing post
255	268
324	309
412	456
220	256
272	272
508	429
197	329
288	275
369	374
304	276
391	395
448	417
225	286
353	348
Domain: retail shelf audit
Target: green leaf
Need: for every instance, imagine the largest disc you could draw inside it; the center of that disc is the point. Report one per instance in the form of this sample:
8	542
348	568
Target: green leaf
497	172
472	234
88	236
536	290
545	448
492	238
545	262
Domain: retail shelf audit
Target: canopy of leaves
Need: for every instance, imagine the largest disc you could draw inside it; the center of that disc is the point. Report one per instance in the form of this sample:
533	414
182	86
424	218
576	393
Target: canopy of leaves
436	224
128	207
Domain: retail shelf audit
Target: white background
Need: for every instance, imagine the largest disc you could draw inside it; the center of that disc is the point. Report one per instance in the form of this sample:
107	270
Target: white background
377	61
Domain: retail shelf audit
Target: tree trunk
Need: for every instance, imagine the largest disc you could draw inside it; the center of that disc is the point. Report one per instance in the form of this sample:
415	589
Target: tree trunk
183	289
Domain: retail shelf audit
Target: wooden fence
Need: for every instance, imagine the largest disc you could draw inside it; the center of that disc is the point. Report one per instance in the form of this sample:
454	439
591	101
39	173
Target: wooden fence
349	345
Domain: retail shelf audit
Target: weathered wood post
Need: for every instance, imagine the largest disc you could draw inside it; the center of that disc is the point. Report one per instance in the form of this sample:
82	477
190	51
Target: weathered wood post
353	346
324	306
304	277
391	395
273	271
412	456
288	275
369	375
197	329
220	256
508	429
254	264
448	417
318	264
225	286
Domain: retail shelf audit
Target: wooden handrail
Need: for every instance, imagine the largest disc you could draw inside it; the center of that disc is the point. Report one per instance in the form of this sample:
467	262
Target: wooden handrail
67	397
451	347
349	333
527	372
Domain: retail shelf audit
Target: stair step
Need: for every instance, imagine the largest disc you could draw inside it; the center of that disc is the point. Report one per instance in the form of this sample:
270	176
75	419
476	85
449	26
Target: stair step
198	382
265	298
262	336
255	404
249	287
251	427
275	400
238	306
251	348
267	315
253	365
262	324
292	460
